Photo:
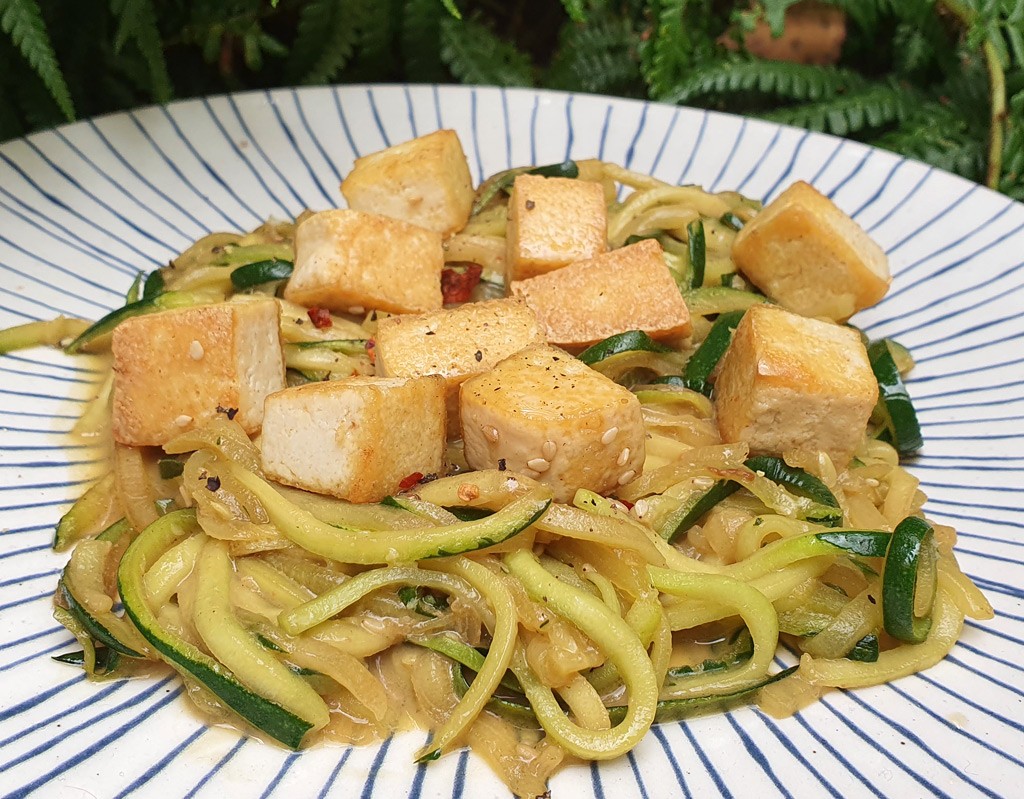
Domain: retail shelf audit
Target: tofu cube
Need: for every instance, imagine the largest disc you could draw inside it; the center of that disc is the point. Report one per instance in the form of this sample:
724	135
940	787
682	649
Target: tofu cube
425	182
792	383
553	222
810	257
351	261
455	344
357	438
549	416
626	289
177	370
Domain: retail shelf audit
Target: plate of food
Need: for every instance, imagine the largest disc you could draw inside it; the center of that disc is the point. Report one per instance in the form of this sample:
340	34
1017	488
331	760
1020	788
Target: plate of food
444	441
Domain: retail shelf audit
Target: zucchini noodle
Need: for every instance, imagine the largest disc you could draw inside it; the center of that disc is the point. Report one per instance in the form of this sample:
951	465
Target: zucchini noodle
470	602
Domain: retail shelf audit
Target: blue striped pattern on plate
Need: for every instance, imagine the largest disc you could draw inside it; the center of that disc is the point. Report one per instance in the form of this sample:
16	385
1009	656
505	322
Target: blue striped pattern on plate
83	208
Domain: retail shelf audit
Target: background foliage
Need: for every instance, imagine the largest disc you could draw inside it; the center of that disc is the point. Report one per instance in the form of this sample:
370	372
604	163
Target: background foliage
939	80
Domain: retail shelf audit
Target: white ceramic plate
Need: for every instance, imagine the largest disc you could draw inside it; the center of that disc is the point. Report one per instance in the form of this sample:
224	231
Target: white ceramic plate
83	208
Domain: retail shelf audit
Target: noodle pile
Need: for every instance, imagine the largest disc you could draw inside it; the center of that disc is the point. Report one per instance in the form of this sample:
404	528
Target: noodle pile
567	640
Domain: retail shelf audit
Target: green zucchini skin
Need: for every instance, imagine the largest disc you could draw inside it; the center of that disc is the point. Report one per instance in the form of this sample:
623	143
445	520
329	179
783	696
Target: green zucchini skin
899	580
730	220
776	470
629	341
162	301
95	629
678	523
865	543
153	285
802	483
257	273
565	169
703	362
152	542
697	246
865	650
900	425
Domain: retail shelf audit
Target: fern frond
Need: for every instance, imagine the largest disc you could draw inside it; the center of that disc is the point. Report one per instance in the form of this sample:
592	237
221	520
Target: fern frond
867	109
779	79
575	9
667	55
1012	181
939	137
23	22
474	54
325	39
137	22
421	40
599	57
377	42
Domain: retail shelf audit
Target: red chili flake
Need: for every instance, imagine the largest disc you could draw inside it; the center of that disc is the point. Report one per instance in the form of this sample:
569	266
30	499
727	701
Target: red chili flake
371	350
627	503
320	317
411	480
457	283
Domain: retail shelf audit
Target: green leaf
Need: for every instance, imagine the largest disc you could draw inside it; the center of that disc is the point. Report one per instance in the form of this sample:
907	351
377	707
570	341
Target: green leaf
475	55
420	39
23	22
575	10
775	14
870	108
376	43
325	39
940	136
599	56
737	75
137	22
667	55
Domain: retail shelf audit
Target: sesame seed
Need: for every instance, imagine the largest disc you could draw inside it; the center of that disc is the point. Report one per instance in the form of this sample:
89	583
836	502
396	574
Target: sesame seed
623	456
538	464
196	351
871	481
549	449
609	435
640	508
625	477
491	434
183	421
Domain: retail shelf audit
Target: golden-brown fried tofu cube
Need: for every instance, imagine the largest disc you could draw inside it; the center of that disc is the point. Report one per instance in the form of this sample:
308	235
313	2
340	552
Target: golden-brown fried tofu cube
792	383
553	222
626	289
179	369
455	344
357	438
424	181
351	261
810	257
549	416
